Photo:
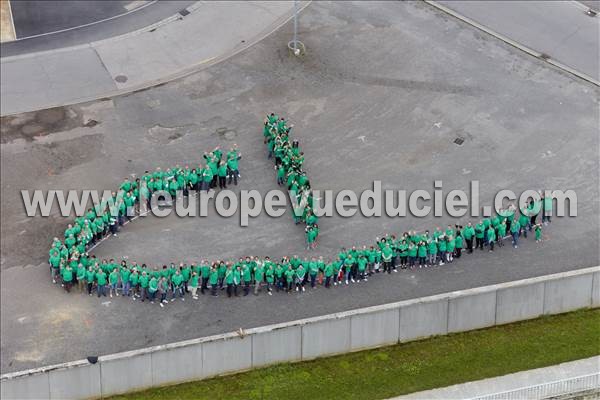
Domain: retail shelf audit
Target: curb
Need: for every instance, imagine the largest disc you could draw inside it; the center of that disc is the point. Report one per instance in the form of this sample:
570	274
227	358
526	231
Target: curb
513	43
186	71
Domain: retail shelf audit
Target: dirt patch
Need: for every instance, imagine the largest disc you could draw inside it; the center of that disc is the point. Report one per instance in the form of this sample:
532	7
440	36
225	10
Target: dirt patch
167	134
34	124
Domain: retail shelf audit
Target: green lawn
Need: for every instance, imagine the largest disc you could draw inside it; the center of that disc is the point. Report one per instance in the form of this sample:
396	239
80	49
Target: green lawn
408	367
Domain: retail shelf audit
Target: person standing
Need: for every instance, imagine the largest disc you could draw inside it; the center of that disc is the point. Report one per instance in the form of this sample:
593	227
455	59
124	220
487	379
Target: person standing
67	277
101	281
491	235
468	234
259	275
300	275
193	285
177	281
113	280
153	288
144	281
163	290
214	280
515	228
229	280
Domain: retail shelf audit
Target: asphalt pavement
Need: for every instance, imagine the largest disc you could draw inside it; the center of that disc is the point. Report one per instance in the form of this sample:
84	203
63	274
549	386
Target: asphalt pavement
559	30
92	24
383	91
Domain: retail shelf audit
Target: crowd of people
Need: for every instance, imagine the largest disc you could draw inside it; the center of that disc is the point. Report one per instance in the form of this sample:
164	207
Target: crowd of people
133	197
288	162
72	266
254	275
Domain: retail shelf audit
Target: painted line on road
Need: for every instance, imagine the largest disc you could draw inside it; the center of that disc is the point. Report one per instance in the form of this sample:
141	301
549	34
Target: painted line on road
513	43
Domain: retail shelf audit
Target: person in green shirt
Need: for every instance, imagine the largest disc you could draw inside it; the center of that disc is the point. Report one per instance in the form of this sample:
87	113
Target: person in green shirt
177	281
233	156
328	273
134	283
290	276
89	279
152	288
386	255
193	284
214	280
259	275
468	234
229	280
54	264
143	282
237	279
458	243
501	232
443	249
80	277
269	277
412	254
313	270
362	266
124	275
450	248
113	280
479	235
422	254
524	222
222	174
515	228
491	237
186	272
67	278
101	282
205	275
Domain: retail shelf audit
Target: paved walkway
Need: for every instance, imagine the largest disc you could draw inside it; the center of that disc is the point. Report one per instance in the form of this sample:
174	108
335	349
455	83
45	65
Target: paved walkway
560	30
512	381
140	59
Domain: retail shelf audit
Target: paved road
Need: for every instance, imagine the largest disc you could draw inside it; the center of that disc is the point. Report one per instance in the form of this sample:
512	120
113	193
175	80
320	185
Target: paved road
33	17
559	29
138	60
411	81
139	18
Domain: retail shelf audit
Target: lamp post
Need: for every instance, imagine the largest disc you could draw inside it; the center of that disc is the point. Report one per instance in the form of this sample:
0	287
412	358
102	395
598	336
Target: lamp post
296	46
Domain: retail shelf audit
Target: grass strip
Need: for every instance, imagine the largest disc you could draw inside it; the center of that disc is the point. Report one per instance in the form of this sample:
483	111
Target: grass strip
408	367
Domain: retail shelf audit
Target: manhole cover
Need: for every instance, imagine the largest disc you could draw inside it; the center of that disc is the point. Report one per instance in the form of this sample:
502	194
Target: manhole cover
184	12
459	141
90	123
121	78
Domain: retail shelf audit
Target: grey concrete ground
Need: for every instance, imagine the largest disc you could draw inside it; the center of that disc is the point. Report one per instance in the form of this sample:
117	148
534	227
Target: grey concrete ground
403	75
517	381
572	42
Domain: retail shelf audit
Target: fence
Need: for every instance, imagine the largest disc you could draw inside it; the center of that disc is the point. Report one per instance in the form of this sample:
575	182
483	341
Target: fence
309	338
579	384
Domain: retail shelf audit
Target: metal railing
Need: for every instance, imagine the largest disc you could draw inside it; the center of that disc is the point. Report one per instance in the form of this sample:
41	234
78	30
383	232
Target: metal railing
547	390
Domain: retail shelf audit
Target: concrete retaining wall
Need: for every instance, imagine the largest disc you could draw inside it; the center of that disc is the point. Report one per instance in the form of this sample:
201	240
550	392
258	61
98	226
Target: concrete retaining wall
309	338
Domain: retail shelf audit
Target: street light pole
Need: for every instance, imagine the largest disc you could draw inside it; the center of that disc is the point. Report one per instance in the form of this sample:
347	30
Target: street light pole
295	26
296	46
